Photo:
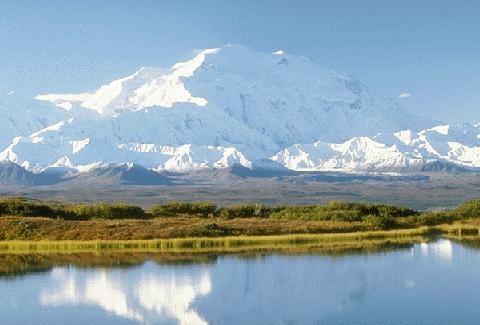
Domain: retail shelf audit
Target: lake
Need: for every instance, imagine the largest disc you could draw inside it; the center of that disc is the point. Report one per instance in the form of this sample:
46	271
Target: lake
437	282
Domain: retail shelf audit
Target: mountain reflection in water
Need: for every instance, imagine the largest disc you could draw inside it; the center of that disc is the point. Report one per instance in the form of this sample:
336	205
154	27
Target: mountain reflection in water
134	295
401	284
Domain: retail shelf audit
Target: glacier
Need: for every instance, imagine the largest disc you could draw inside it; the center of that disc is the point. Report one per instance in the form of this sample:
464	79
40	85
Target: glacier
228	106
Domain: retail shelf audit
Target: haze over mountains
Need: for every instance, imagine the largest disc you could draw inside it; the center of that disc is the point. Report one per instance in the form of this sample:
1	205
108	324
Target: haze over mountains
231	106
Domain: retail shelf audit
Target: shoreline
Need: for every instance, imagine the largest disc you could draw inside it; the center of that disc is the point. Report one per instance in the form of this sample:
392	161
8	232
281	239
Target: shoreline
232	244
31	225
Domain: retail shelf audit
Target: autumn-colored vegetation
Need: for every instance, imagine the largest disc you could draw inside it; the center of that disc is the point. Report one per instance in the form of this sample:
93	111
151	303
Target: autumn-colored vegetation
25	219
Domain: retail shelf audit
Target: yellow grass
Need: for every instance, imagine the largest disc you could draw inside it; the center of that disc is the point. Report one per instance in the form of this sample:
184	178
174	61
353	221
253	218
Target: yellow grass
232	243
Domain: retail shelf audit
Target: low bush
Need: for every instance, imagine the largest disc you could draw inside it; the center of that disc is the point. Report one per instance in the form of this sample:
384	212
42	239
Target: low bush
25	208
317	213
373	216
201	209
247	211
341	211
376	222
468	210
107	211
432	218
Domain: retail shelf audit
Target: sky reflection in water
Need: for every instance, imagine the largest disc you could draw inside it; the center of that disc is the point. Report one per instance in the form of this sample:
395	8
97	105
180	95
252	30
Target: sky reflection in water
434	282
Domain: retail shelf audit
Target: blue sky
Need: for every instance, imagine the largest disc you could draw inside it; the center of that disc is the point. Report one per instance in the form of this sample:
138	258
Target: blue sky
428	49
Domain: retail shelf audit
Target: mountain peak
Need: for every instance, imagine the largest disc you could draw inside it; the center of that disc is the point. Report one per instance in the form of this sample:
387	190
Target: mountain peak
224	106
149	86
145	88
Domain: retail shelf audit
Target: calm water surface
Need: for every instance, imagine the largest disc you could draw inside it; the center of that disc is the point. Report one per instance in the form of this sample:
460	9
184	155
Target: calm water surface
425	283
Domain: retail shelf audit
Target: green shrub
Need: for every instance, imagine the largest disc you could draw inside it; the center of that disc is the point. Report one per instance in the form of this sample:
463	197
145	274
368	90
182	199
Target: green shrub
376	216
432	218
103	211
76	212
247	211
201	209
25	208
395	211
341	211
317	213
470	209
376	222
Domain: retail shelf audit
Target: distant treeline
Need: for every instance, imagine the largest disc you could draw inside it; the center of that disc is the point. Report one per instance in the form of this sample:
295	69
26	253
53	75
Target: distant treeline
379	216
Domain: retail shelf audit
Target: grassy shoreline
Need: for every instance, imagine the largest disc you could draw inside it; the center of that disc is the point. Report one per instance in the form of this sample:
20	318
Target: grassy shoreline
244	243
31	225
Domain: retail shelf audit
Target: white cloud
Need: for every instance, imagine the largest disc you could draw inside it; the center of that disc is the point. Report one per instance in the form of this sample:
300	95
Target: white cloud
404	95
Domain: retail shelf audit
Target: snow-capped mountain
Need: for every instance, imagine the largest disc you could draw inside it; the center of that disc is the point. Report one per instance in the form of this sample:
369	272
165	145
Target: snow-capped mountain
231	106
400	151
21	118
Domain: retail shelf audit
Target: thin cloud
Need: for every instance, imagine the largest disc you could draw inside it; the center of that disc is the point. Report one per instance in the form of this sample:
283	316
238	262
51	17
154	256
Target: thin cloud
404	95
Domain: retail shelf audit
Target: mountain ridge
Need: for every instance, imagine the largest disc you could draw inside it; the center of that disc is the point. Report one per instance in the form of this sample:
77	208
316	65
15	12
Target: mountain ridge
234	106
